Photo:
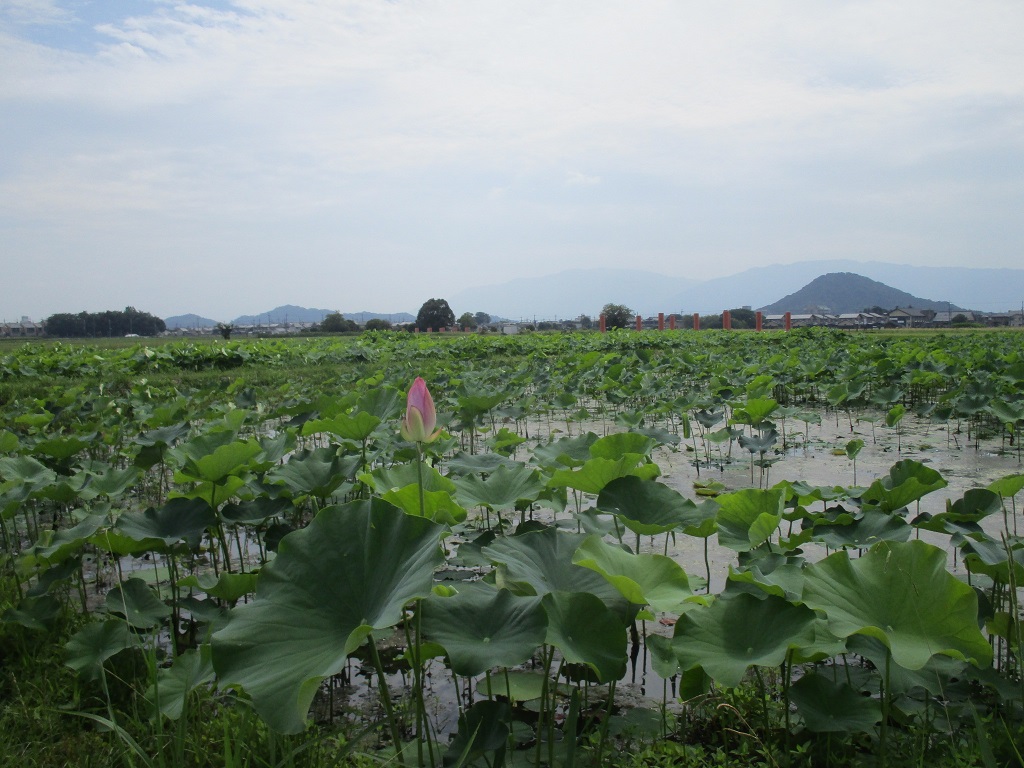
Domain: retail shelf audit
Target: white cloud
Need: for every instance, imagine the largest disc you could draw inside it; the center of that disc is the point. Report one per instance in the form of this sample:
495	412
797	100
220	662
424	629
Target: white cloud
448	121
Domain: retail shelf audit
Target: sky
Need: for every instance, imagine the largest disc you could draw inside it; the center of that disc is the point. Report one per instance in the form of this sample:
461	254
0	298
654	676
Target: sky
228	157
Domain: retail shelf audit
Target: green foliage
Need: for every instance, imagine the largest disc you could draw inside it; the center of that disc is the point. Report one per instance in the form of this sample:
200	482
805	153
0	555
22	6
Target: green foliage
434	315
100	324
338	323
205	464
617	315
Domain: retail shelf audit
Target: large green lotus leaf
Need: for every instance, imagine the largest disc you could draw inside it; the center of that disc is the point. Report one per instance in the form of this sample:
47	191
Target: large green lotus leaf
215	494
785	580
748	518
976	503
620	444
754	410
190	670
438	506
479	463
317	473
37	612
873	527
990	558
595	474
540	562
226	586
398	476
274	448
27	471
901	594
653	580
907	482
827	707
759	443
1007	486
55	546
55	577
646	507
96	642
225	461
567	451
664	661
587	632
112	483
738	631
483	729
117	543
934	676
350	571
137	603
482	627
256	510
502	489
9	442
515	685
358	426
384	402
177	520
61	448
163	436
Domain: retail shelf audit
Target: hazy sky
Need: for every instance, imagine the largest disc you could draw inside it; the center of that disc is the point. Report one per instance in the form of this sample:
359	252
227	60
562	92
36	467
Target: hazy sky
227	157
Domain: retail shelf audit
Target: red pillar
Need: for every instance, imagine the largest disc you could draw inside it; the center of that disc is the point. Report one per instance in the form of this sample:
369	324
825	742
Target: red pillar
417	330
726	320
758	321
604	324
696	321
789	321
661	321
671	322
639	323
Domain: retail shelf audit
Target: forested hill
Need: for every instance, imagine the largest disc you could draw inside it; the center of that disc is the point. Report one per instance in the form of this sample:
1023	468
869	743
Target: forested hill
839	292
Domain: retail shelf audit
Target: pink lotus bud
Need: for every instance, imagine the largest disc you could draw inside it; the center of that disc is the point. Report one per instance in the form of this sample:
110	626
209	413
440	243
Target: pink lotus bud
420	416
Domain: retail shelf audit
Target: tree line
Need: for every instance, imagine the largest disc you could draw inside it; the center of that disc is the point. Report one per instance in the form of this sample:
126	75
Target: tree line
109	323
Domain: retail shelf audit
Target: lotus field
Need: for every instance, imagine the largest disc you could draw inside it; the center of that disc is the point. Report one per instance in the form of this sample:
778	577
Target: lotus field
628	548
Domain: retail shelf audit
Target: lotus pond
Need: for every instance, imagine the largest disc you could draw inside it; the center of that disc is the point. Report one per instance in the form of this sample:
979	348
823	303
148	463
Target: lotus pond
638	548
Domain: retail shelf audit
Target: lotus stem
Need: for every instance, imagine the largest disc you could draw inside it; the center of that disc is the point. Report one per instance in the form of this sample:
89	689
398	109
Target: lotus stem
385	698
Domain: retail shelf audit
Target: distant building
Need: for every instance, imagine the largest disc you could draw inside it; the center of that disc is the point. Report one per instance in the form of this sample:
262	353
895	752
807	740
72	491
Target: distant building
22	329
911	317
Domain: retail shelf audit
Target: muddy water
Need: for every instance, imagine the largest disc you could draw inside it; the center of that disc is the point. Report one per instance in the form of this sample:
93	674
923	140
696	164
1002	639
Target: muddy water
812	457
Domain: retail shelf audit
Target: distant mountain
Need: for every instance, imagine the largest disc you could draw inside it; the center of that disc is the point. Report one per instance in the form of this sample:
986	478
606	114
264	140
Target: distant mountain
188	321
839	292
289	313
572	293
987	290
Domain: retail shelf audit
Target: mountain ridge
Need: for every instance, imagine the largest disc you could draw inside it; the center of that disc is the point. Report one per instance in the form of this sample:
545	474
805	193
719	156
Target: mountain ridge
845	292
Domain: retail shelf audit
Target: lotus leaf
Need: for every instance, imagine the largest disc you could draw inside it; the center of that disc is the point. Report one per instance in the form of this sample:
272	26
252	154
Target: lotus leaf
135	601
352	570
190	670
587	632
482	627
653	580
828	707
739	630
646	507
502	489
749	517
901	594
177	520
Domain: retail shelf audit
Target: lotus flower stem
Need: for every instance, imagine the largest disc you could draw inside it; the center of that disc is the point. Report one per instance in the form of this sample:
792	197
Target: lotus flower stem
385	698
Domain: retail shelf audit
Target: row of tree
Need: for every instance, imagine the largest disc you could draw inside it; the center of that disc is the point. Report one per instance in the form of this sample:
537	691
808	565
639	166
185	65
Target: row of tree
621	316
110	323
